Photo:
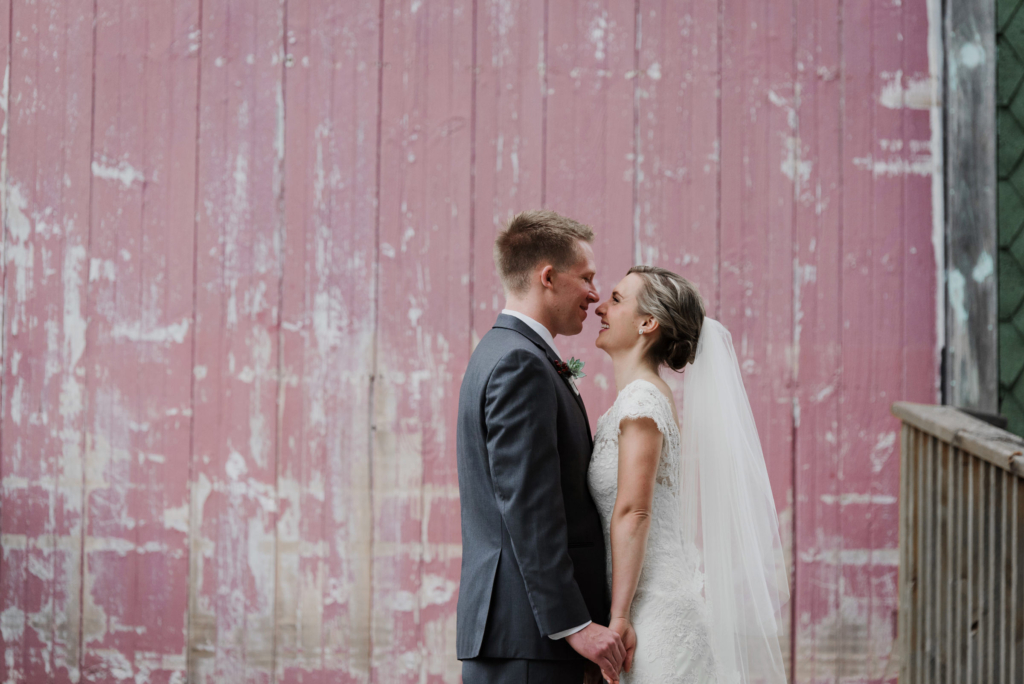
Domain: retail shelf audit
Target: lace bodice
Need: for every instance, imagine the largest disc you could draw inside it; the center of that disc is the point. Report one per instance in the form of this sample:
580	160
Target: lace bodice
668	610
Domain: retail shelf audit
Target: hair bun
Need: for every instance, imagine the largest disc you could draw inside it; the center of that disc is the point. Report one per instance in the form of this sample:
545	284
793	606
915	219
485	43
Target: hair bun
679	309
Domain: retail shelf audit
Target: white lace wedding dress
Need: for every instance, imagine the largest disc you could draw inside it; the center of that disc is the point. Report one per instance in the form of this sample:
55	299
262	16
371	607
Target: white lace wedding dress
668	613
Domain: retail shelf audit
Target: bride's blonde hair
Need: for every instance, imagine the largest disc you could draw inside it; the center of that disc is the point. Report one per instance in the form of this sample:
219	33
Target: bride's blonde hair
676	304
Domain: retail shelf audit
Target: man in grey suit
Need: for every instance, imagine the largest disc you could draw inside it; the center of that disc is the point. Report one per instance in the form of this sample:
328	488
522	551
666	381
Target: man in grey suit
533	595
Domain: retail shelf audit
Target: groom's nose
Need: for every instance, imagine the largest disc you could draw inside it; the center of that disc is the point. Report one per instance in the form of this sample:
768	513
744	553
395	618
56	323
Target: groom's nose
592	296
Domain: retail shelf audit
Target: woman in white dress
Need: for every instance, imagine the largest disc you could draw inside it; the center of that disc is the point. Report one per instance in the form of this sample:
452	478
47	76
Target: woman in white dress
688	612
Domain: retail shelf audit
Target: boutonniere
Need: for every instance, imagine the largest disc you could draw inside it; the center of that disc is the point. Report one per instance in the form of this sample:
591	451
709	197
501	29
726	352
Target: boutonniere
573	370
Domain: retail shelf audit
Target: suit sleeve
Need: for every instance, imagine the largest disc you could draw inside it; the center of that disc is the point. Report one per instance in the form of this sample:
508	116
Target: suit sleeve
520	408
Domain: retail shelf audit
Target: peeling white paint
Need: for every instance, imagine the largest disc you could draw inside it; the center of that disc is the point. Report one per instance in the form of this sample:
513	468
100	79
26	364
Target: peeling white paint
882	451
122	171
12	624
134	332
850	498
957	294
101	268
598	35
176	518
917	93
793	166
856	557
437	590
983	269
922	165
972	55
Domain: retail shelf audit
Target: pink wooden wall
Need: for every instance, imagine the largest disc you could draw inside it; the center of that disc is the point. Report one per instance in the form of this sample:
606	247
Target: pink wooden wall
246	255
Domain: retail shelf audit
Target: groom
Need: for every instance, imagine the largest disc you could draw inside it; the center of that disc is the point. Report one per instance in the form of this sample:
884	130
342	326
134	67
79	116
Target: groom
533	588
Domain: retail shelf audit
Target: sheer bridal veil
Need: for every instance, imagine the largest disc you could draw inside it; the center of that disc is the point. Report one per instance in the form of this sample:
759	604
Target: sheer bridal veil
729	513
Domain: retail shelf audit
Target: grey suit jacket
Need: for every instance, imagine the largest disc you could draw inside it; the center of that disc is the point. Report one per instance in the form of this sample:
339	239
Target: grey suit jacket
533	556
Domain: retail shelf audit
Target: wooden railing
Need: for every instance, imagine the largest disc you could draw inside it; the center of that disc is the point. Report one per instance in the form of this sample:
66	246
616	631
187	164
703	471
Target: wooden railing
961	618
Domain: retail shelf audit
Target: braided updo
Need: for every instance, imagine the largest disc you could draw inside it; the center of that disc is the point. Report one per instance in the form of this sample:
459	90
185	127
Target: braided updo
676	304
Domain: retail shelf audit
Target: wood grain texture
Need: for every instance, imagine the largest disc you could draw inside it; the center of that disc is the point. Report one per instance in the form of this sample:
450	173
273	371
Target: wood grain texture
589	156
327	337
47	239
509	97
247	253
423	339
761	175
234	501
817	329
972	311
138	415
678	109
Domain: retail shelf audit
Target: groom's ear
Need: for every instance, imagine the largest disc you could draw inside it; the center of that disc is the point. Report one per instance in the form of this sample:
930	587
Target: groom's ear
547	275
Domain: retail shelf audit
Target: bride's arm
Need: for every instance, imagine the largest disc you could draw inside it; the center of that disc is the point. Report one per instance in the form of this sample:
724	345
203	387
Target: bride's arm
639	452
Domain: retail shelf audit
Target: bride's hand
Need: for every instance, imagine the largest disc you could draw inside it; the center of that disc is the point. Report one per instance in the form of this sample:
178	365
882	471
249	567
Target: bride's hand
624	629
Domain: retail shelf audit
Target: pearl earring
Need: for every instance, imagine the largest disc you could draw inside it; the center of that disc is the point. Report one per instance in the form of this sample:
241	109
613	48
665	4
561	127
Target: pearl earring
641	331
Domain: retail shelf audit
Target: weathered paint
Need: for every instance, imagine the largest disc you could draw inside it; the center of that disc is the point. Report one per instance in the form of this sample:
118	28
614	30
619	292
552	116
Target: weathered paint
328	307
423	335
47	237
239	220
139	344
247	255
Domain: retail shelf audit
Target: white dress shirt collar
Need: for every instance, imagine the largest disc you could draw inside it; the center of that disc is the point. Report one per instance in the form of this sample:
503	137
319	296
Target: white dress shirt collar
538	328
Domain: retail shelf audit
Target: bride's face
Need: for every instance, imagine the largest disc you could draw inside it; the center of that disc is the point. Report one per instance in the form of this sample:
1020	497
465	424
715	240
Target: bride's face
620	323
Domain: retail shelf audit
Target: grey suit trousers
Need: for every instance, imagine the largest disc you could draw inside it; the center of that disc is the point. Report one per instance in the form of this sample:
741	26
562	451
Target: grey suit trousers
516	671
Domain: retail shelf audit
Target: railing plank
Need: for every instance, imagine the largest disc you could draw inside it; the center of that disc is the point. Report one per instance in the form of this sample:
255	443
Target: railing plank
961	618
928	561
1016	595
942	564
955	427
919	555
906	439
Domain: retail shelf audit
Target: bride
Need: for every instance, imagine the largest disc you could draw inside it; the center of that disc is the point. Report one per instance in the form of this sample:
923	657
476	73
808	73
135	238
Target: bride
695	562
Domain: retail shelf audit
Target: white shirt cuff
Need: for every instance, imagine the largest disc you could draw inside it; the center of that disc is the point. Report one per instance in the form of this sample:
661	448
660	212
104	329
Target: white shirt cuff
565	633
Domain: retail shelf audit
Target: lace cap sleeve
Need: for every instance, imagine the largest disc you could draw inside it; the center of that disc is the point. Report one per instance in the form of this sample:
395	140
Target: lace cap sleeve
641	399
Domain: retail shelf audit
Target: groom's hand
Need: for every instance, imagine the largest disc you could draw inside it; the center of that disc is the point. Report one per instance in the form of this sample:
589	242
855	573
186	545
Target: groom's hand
602	646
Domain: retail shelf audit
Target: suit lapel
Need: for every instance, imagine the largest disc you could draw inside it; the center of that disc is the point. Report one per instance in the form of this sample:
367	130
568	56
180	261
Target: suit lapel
513	323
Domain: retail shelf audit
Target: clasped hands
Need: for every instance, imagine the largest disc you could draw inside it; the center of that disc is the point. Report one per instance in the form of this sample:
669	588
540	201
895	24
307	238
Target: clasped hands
610	648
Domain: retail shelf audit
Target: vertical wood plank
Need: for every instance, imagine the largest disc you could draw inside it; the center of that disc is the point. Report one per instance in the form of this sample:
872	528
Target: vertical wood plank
49	123
1016	595
423	335
905	442
758	186
927	575
328	316
508	148
872	329
973	523
334	105
952	544
942	578
816	163
678	108
884	249
919	102
1005	570
135	574
916	653
234	463
959	567
589	153
972	313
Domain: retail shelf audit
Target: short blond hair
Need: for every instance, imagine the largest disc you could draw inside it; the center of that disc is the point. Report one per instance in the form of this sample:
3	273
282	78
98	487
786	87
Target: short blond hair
533	237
